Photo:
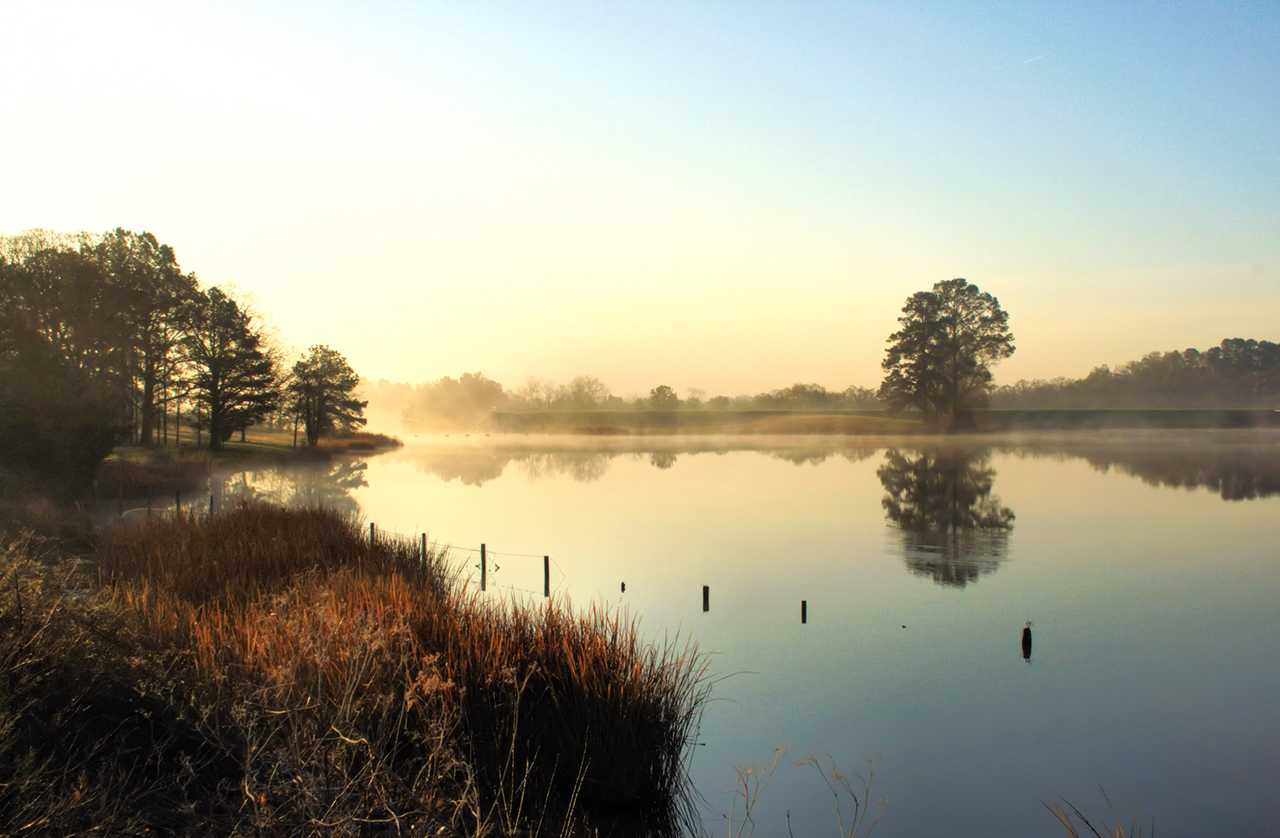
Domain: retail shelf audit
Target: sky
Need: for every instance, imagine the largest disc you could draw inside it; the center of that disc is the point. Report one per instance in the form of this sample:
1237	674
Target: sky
729	196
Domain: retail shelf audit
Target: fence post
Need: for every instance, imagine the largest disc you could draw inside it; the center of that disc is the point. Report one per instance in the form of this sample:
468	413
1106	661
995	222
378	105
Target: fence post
424	549
804	611
482	567
373	532
706	598
546	576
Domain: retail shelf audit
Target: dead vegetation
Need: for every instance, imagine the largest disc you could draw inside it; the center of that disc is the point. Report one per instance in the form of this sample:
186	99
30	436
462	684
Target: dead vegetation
275	671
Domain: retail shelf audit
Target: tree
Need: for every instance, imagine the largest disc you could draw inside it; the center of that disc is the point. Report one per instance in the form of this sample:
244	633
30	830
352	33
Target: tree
585	392
663	397
321	393
939	361
233	378
157	298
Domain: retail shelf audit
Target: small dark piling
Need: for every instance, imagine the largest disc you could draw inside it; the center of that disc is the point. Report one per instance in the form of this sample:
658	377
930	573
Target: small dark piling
1026	642
804	611
546	576
482	567
706	598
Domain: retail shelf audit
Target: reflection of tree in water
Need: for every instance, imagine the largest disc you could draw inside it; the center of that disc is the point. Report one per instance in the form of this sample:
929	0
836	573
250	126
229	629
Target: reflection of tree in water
662	459
953	528
326	485
810	456
582	466
474	467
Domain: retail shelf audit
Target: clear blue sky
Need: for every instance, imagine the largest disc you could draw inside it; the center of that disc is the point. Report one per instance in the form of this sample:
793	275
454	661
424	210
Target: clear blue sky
726	196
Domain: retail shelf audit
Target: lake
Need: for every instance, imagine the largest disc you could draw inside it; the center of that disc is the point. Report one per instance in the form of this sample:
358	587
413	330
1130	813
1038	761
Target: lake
1148	564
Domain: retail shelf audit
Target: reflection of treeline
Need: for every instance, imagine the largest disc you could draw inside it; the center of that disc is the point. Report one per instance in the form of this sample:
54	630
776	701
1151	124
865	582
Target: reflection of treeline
477	465
1234	472
450	404
1236	373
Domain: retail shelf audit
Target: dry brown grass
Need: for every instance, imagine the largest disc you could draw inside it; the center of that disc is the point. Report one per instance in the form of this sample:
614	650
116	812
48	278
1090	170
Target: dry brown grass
360	441
337	685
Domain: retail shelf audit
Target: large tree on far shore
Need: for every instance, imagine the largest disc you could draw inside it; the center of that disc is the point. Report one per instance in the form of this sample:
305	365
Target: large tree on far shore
939	361
321	391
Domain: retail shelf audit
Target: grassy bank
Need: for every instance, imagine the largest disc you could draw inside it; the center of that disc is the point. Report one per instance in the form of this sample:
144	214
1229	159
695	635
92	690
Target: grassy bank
276	672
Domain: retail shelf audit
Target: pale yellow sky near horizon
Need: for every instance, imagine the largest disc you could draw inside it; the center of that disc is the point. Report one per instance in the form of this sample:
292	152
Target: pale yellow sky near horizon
730	199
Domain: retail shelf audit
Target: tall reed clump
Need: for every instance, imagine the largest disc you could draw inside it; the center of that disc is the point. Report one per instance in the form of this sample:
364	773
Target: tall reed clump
354	683
99	727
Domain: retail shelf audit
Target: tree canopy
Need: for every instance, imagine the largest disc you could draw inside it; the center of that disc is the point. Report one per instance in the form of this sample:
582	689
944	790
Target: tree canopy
663	397
322	391
234	380
939	361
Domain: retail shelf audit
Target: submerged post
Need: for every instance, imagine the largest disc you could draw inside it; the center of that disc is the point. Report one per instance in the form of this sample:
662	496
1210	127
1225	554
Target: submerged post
706	598
482	568
804	611
546	576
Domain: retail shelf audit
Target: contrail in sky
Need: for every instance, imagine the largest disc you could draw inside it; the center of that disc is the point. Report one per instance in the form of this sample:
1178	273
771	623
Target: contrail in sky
1037	58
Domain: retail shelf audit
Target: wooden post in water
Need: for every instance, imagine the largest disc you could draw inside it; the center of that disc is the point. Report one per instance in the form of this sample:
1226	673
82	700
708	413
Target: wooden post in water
706	598
804	611
424	549
482	568
373	532
546	576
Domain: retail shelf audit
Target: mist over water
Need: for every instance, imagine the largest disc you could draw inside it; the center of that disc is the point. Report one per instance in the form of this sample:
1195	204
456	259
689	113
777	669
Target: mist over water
1145	563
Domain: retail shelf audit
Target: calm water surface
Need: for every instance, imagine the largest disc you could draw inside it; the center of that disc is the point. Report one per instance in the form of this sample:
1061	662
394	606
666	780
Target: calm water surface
1148	563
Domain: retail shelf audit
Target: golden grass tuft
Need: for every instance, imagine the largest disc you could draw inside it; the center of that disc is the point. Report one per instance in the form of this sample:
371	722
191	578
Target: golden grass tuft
315	680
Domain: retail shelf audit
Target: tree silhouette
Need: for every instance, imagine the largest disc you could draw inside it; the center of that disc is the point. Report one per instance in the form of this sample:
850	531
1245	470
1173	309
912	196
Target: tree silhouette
954	529
939	361
321	390
663	397
234	380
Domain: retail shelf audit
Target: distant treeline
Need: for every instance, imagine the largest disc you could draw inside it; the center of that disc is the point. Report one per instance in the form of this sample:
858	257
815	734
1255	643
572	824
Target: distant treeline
1237	373
459	404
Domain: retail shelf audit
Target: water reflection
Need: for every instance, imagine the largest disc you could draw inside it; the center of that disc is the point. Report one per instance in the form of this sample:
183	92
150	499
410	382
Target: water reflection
588	461
953	528
662	459
1245	473
582	466
327	484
